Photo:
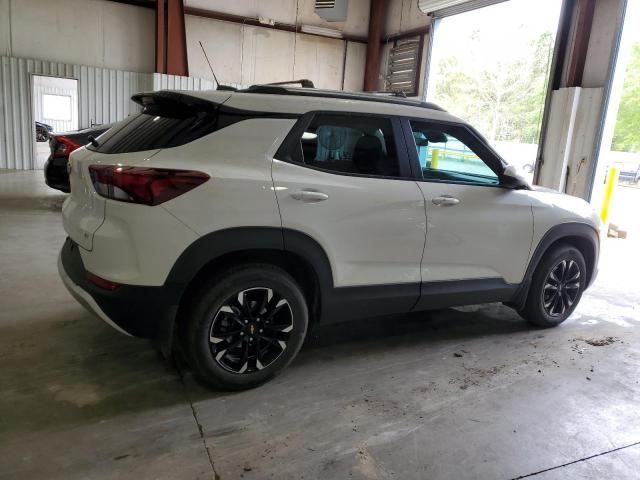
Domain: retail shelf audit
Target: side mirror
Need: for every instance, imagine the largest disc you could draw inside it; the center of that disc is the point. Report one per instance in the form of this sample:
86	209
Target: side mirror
511	179
421	141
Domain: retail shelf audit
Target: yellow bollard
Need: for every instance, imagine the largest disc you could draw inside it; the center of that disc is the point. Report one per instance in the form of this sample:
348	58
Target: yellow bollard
612	180
435	155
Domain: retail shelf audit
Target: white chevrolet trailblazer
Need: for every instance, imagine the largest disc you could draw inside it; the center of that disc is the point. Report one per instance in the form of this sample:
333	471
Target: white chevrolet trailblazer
227	223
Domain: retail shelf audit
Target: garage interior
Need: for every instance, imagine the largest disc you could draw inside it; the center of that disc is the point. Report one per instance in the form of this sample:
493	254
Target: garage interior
469	392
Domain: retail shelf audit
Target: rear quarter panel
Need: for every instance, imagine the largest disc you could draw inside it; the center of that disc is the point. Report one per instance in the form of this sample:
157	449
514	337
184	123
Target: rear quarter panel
240	192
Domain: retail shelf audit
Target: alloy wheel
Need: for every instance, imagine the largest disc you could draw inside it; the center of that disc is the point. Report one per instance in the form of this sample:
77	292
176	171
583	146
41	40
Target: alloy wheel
561	288
251	330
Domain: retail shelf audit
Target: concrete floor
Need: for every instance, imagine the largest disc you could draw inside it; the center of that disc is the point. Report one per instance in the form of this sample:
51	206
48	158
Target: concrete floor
459	394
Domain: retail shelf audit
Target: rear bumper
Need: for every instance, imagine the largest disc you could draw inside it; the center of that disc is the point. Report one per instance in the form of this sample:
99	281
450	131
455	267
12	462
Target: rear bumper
147	312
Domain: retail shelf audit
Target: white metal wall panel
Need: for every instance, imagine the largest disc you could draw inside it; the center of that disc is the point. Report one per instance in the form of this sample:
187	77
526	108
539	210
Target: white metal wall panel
104	97
162	81
15	115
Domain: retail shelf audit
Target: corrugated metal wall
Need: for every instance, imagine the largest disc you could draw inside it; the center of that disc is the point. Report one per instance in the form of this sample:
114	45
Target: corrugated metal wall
104	97
162	81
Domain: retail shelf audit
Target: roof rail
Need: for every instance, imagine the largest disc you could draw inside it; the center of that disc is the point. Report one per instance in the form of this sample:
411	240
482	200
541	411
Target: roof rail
391	93
303	82
389	97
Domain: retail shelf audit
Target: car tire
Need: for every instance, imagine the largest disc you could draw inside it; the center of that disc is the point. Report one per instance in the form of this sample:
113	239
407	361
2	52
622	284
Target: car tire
556	287
245	326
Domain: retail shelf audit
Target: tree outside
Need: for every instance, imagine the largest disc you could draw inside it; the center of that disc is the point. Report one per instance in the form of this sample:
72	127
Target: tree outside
626	136
502	96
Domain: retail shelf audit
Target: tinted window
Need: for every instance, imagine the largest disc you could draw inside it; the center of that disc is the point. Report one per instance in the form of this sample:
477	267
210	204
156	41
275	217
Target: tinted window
349	144
146	131
450	154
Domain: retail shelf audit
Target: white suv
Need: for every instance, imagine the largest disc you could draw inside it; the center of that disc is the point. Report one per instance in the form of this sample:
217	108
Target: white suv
229	222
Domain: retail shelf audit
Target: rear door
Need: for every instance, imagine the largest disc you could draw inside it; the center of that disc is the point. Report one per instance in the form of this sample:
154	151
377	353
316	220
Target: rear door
344	180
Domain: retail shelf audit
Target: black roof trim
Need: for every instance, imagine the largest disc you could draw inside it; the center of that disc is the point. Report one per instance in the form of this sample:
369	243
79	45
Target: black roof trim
366	97
170	97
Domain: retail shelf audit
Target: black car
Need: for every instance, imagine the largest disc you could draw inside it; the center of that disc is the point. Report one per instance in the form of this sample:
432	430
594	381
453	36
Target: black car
61	145
43	131
630	174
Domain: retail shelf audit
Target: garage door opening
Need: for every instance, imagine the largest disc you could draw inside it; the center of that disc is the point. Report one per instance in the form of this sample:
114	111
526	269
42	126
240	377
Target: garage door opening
55	109
490	66
619	157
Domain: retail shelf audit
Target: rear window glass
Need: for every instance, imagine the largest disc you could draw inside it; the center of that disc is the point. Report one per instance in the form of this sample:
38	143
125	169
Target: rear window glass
145	131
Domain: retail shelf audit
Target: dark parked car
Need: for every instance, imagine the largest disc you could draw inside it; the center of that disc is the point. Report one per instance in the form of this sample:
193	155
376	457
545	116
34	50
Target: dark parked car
629	174
43	131
62	144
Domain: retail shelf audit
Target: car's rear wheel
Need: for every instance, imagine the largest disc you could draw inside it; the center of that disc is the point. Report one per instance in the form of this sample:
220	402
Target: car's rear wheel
556	287
246	326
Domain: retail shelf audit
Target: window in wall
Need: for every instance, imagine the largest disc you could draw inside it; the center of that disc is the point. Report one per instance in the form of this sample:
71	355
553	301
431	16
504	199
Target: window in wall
350	144
446	157
56	107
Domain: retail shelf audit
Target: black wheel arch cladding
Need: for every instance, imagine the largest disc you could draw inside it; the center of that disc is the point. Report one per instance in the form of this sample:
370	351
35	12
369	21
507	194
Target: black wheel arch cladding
579	235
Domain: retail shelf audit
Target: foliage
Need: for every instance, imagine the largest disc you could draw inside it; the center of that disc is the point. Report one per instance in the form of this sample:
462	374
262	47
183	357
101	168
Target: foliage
626	136
503	97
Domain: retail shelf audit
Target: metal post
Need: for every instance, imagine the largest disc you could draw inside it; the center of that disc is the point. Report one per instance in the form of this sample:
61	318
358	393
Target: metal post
372	65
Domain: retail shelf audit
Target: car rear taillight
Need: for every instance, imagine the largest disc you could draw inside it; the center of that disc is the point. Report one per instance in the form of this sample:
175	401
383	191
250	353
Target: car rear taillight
63	146
150	186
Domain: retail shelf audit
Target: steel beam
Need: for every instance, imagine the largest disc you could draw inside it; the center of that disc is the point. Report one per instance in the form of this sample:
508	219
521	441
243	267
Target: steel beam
580	45
177	63
372	65
161	36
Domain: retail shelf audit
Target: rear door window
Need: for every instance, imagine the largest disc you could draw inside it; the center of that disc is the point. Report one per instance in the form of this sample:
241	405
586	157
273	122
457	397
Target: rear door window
348	144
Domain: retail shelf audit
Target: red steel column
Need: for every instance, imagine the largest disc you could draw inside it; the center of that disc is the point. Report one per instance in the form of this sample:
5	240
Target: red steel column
161	37
584	24
176	39
372	65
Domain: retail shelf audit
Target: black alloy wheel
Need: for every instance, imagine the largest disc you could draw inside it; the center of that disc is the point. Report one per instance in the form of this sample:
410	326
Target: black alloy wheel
556	286
251	330
244	326
561	288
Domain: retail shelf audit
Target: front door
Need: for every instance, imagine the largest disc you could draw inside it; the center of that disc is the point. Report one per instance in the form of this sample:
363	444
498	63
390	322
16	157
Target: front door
477	230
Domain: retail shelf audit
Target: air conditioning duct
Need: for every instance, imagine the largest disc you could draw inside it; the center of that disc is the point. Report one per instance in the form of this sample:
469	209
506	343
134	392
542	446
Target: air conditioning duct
331	10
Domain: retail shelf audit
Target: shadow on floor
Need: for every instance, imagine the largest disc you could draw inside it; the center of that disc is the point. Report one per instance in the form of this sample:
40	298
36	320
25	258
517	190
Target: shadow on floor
102	373
446	324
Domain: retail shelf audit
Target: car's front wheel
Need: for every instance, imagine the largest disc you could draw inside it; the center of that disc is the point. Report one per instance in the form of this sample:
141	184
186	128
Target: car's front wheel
556	287
245	326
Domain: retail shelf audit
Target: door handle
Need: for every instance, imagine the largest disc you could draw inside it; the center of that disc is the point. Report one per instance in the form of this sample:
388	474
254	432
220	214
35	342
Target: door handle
445	201
309	196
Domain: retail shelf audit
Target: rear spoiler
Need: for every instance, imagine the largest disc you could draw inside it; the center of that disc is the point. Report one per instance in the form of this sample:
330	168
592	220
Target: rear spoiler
173	104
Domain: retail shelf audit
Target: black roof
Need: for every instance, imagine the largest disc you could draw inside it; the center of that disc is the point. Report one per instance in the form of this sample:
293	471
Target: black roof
382	97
